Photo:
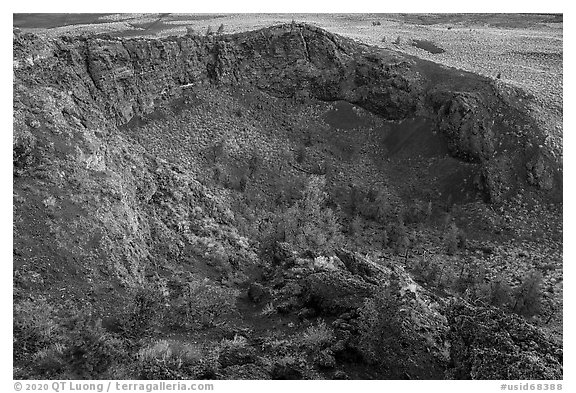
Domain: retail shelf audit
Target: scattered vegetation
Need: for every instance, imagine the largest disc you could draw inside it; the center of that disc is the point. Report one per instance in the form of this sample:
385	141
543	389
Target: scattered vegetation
527	297
169	359
268	310
202	304
190	31
318	337
309	223
68	345
454	239
385	332
300	154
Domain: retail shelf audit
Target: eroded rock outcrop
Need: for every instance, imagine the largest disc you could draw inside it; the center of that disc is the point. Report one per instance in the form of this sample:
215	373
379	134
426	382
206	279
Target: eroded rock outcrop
125	78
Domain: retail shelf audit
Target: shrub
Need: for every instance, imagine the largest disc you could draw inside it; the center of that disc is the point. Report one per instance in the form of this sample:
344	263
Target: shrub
454	239
236	179
254	163
317	337
289	191
471	275
202	305
417	212
372	205
309	224
528	296
268	310
70	344
235	352
220	29
142	314
170	359
89	351
398	237
218	151
432	270
355	227
386	336
300	154
500	292
34	327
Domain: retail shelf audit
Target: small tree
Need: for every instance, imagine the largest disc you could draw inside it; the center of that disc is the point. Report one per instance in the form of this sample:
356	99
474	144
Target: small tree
499	292
454	238
528	296
300	155
309	223
220	29
254	163
218	151
190	32
209	31
355	226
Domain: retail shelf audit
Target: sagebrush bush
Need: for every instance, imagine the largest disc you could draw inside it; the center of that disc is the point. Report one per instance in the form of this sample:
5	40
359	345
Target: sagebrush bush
384	336
309	223
201	305
417	212
34	327
355	226
500	292
317	337
142	315
527	297
90	351
171	359
454	238
398	237
65	344
300	154
218	151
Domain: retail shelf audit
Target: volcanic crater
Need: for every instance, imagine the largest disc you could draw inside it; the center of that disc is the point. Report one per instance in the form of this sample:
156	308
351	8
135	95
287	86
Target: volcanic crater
283	203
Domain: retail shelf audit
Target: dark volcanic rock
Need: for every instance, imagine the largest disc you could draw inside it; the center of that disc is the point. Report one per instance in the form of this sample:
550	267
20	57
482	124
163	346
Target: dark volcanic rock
335	292
540	171
464	120
488	344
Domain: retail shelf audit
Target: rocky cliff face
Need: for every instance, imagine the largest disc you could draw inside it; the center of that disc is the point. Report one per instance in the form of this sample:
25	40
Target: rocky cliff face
124	78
